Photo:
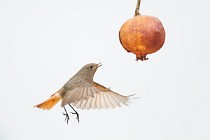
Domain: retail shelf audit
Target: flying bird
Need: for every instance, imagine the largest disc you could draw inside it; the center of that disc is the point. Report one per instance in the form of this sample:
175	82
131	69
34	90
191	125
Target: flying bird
82	92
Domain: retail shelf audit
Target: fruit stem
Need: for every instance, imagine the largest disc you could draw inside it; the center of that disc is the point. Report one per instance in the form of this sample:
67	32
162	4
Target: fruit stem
137	8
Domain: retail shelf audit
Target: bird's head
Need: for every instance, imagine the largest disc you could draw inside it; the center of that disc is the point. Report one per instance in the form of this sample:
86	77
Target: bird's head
88	71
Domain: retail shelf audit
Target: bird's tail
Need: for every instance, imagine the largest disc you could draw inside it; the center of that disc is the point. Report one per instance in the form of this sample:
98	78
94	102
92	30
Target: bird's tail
48	104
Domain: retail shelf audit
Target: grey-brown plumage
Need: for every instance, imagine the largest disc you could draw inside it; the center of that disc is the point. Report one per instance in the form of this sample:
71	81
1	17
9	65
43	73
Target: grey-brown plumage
82	92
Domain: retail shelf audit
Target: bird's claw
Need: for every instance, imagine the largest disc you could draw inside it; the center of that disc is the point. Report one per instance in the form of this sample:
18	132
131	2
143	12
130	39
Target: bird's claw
76	114
67	117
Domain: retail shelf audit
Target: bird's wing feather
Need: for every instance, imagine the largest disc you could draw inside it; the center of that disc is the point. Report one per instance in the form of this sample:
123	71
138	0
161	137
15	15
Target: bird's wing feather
82	91
102	98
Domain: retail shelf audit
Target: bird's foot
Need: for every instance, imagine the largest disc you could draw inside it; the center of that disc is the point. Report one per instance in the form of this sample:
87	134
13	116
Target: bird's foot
77	115
66	114
67	117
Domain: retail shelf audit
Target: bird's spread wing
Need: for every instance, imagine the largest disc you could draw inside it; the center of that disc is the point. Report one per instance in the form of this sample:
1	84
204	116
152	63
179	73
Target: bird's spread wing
82	91
92	96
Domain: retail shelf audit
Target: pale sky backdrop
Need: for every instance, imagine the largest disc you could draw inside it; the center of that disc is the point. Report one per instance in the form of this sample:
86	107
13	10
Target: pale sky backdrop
45	42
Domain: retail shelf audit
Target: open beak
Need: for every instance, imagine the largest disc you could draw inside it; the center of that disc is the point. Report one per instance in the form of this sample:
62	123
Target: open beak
99	64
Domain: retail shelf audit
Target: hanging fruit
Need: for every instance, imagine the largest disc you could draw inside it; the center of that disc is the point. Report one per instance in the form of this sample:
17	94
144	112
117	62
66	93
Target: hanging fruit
142	34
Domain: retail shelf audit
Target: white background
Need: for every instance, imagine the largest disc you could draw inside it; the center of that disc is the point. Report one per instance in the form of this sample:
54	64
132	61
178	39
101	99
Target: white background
44	42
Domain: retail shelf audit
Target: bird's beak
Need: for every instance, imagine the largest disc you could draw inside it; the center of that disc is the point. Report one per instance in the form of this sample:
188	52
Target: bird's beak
99	64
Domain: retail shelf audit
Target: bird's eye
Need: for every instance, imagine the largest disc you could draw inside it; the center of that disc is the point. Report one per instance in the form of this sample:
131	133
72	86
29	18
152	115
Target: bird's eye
90	67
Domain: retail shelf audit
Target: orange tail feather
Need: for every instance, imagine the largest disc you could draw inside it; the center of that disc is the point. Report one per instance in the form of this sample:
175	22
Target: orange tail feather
48	104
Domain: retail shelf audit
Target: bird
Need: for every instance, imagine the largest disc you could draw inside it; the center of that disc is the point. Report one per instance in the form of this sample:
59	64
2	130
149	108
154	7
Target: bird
82	92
